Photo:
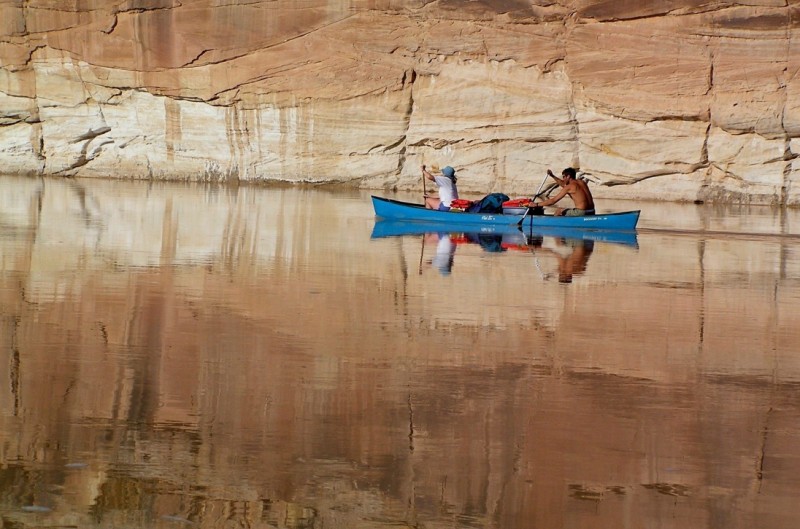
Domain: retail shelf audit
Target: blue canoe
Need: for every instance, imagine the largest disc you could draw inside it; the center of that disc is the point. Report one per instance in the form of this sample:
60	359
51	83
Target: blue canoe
386	208
397	228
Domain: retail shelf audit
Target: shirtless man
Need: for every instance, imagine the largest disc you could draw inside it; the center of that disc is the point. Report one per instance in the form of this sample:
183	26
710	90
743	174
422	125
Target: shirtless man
577	190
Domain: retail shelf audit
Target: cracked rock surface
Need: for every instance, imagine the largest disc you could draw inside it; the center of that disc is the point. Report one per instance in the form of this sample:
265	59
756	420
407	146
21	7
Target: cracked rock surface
680	100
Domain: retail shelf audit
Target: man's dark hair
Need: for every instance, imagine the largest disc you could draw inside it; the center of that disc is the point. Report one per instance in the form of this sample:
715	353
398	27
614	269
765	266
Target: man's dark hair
569	171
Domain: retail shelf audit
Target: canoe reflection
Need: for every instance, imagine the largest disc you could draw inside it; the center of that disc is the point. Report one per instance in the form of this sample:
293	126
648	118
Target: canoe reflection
570	248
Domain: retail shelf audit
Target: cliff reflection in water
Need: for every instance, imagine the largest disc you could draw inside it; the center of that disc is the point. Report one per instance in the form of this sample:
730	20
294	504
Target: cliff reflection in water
218	357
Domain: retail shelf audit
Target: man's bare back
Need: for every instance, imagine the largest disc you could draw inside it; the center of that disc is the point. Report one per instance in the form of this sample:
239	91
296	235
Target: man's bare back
581	195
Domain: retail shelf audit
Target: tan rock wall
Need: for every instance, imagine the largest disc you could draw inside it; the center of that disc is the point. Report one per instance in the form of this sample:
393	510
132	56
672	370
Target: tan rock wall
679	100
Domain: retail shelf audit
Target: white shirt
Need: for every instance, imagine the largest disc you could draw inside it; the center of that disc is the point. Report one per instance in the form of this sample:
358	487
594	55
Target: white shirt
447	189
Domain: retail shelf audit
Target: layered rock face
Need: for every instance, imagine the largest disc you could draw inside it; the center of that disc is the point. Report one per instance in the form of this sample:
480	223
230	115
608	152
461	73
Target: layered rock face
680	99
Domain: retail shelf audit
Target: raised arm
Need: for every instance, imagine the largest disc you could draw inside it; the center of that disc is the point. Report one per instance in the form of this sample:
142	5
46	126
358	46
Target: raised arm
554	177
427	174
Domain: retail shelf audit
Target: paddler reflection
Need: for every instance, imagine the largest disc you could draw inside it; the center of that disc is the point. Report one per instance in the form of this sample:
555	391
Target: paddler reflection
445	252
572	255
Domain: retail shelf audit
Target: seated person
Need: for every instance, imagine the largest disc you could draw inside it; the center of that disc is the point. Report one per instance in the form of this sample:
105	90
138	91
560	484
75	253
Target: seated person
577	190
446	182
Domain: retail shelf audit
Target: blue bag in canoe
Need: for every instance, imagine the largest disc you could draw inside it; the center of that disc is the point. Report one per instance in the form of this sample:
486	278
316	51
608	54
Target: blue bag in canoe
491	203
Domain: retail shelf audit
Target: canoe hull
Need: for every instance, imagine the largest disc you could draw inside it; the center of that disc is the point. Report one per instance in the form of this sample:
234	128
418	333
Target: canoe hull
396	210
399	228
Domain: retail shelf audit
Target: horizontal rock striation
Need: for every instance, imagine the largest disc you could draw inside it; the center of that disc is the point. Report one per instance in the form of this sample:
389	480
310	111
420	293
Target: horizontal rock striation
677	100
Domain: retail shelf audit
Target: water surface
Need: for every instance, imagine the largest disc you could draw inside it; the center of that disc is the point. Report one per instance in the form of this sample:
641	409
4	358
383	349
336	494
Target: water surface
199	356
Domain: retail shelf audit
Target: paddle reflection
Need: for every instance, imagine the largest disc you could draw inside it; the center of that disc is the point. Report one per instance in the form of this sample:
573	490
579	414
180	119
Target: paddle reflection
560	254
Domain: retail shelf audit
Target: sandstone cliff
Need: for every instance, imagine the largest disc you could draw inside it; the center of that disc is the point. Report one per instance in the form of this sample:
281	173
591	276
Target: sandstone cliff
679	99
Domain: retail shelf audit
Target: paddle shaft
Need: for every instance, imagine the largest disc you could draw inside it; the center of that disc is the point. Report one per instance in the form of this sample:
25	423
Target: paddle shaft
540	186
528	209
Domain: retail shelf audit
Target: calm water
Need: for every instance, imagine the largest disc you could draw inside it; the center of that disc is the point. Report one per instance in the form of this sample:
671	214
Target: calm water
194	356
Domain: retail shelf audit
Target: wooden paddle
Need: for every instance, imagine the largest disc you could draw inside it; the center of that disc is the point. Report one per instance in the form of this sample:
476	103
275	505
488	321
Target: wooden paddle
538	191
424	202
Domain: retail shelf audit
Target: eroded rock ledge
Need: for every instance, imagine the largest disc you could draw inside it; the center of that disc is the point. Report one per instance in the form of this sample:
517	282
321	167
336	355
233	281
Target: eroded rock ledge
679	100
